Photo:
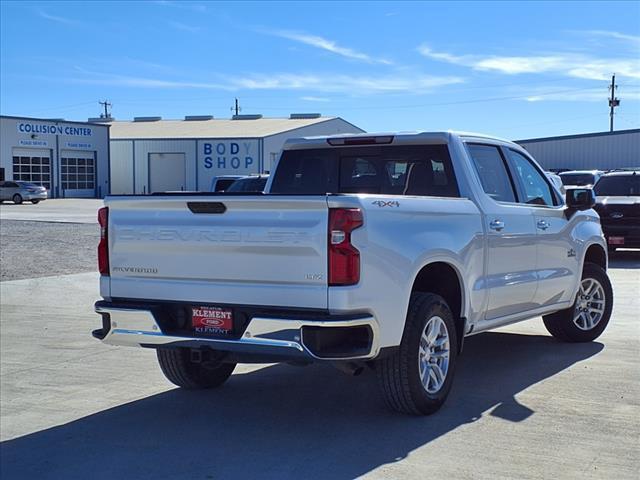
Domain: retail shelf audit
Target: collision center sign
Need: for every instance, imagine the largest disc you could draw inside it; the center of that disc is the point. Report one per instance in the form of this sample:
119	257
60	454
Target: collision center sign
52	129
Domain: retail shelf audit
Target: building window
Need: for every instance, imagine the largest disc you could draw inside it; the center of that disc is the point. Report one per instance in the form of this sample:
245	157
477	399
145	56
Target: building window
78	173
33	169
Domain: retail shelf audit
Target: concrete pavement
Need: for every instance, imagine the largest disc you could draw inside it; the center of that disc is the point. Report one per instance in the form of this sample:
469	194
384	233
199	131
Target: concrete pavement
66	210
522	405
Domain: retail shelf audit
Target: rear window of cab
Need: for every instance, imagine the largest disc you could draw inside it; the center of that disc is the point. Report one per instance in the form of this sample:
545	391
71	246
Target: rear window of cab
417	170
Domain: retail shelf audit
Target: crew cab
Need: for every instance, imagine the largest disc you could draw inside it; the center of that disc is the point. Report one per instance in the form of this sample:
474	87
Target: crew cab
618	204
369	250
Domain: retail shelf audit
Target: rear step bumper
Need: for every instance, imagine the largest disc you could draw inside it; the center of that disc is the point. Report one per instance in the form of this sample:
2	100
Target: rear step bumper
355	338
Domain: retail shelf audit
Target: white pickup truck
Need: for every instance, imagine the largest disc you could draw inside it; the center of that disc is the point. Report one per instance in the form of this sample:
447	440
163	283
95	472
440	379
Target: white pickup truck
367	250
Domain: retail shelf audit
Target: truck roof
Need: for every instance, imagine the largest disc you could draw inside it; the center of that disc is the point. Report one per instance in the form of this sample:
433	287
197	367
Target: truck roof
396	138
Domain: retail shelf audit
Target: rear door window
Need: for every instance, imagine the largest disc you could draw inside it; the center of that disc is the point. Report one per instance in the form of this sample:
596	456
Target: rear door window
423	170
492	171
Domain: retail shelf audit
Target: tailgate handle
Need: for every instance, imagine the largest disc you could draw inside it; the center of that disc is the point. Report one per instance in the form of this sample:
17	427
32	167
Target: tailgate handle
207	207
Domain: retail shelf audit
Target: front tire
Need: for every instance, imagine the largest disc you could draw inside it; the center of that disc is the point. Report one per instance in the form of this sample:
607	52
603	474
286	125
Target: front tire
17	199
35	202
177	366
416	379
588	317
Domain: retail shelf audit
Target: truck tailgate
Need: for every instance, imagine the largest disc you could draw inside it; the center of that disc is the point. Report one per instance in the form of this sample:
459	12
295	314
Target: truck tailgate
262	250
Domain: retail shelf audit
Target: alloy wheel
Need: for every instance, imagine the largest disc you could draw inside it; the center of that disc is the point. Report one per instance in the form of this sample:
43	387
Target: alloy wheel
433	356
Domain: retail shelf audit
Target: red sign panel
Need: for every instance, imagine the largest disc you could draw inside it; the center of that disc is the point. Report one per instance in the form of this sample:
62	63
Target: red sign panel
212	319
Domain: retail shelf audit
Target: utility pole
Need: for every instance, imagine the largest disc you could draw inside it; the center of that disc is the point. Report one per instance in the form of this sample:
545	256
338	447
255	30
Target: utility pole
237	108
613	101
106	105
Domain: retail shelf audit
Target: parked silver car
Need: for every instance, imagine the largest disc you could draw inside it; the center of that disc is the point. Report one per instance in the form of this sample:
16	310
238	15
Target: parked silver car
19	192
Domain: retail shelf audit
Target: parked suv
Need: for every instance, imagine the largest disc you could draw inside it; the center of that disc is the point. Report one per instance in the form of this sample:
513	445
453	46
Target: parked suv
19	191
618	204
252	183
580	178
222	182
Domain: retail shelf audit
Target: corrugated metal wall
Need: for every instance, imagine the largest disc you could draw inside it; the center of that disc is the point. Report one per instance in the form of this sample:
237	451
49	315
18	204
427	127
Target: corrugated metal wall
121	167
600	151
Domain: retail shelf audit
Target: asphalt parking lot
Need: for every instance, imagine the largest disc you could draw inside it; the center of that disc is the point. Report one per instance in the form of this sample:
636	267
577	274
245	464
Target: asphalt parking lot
522	405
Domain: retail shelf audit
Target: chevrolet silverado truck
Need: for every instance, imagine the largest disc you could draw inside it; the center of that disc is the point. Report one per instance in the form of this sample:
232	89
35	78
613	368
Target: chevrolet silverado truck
381	251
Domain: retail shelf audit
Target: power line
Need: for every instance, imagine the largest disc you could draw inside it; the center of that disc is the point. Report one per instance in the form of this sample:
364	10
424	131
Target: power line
66	107
441	104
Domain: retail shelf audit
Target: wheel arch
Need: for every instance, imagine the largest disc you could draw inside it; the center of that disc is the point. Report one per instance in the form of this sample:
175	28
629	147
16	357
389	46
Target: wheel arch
596	254
444	278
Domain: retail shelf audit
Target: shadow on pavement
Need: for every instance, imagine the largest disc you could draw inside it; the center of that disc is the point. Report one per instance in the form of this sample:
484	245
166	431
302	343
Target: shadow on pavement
284	421
624	259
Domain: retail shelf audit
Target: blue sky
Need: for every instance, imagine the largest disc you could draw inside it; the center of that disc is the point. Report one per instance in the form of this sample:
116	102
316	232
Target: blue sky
513	69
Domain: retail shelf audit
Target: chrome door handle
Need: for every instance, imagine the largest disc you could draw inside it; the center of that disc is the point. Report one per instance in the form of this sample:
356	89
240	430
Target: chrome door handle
543	225
496	225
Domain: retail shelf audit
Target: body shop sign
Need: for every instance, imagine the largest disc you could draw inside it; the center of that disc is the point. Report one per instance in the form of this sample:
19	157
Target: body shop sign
226	157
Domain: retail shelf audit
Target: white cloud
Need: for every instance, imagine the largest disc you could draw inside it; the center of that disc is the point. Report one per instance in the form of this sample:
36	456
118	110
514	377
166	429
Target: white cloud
196	7
617	35
309	98
586	95
335	83
328	45
114	80
55	18
569	64
415	84
184	27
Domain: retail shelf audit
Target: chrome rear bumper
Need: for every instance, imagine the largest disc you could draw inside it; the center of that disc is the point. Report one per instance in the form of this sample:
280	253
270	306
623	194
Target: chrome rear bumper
281	337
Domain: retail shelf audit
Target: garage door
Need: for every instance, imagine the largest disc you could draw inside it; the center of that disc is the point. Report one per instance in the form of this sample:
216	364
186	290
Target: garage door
78	173
167	172
32	165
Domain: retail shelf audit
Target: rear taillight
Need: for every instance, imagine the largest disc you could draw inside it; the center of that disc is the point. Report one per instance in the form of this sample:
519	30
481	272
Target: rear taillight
103	246
344	258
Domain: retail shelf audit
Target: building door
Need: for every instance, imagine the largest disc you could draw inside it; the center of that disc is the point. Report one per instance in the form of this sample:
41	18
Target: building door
78	173
32	165
167	172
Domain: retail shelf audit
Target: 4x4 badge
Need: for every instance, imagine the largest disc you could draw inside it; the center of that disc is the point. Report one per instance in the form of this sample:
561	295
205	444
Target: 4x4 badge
381	203
571	253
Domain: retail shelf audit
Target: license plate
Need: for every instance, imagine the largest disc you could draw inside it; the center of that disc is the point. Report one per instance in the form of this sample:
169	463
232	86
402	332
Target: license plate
211	319
616	240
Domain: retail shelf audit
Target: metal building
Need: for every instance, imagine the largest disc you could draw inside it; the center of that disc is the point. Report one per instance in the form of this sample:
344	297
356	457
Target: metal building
589	151
70	159
149	154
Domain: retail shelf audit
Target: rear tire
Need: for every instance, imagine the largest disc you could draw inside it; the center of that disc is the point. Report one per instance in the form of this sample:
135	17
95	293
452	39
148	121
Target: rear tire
35	202
589	315
17	199
177	366
416	379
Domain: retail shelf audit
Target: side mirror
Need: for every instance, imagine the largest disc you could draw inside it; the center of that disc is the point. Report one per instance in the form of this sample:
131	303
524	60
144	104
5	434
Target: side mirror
580	198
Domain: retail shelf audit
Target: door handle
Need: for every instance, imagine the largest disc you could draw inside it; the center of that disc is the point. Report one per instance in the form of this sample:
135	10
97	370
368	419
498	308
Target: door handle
543	225
496	225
